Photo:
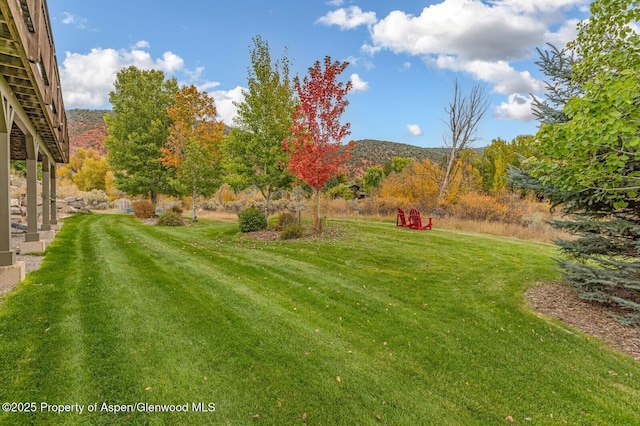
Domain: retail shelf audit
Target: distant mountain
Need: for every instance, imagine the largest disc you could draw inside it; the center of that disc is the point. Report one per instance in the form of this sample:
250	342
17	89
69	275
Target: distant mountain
368	153
87	129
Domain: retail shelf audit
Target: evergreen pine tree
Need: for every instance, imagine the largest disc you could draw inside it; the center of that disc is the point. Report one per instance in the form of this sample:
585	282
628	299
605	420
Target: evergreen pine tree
589	157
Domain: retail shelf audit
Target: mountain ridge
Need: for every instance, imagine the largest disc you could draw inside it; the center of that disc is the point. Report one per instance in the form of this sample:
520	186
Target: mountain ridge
87	130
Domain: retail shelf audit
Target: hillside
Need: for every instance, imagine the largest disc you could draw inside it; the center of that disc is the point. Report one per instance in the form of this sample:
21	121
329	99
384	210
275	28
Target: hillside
368	152
87	129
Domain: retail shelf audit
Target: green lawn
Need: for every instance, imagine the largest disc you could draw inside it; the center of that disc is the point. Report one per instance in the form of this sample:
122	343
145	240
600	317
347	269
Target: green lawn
377	325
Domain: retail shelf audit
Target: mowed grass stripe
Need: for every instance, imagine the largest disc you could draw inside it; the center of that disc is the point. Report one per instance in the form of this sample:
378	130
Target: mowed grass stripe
285	341
251	348
236	256
378	322
249	255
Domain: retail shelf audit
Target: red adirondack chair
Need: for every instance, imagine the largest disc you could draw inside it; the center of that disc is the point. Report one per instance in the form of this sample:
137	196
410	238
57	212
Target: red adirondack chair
401	220
415	222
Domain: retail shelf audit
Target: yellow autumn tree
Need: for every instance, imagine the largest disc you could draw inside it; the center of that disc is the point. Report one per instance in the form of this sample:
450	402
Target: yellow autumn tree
192	150
86	169
419	183
416	185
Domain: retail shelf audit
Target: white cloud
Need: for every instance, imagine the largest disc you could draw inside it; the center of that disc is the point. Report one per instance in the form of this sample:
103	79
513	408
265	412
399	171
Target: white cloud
224	99
516	107
335	3
88	78
357	84
69	18
563	35
534	6
465	28
207	86
481	38
170	62
142	44
349	18
360	62
78	21
504	78
414	129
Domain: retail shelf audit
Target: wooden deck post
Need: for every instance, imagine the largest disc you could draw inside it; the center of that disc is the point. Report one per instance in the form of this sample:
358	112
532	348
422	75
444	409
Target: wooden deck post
32	190
46	194
7	256
54	205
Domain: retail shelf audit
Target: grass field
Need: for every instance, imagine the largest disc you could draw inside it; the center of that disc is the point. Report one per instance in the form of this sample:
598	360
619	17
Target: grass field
371	324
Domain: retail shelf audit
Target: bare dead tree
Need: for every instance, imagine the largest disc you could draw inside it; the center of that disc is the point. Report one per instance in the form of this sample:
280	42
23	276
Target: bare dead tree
465	113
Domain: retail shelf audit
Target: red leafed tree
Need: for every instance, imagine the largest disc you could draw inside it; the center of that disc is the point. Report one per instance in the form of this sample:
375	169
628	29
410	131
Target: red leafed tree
315	144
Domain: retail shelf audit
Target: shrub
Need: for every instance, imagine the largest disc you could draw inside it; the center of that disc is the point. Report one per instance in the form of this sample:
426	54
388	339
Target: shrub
285	219
177	208
170	218
291	232
486	208
97	199
143	209
252	219
211	204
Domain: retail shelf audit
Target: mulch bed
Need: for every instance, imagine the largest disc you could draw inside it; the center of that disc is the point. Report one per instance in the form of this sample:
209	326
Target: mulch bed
333	233
561	302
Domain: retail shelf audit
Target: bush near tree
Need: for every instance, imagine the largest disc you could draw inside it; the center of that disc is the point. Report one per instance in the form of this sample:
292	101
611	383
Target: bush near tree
170	218
143	209
252	220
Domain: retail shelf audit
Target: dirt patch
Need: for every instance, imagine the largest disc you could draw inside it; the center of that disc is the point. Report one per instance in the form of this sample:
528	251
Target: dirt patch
263	235
561	302
333	233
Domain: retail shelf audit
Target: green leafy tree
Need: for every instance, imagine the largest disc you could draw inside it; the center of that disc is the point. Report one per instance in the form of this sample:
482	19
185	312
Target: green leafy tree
254	150
590	163
193	146
498	157
372	179
138	127
398	164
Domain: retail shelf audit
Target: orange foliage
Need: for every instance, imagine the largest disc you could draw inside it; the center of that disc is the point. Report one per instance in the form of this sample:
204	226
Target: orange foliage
415	186
464	178
487	208
194	119
143	209
418	184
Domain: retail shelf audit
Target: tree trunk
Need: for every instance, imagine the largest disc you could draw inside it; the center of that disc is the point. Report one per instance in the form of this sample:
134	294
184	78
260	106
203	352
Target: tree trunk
267	201
195	204
154	197
447	174
317	225
465	113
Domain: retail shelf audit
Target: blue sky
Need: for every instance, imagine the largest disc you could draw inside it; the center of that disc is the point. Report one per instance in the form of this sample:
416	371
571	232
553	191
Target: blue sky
404	55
